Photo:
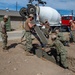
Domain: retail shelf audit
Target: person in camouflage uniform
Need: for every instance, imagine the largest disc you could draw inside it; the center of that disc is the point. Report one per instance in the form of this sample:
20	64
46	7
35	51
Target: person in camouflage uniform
24	32
72	30
61	51
28	26
4	32
47	28
61	37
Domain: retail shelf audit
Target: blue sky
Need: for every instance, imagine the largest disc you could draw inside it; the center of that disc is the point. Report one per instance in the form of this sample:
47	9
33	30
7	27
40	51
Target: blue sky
63	6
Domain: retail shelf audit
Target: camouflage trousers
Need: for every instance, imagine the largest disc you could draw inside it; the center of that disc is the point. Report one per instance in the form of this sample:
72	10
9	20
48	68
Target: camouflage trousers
45	31
4	40
61	58
73	35
23	34
28	41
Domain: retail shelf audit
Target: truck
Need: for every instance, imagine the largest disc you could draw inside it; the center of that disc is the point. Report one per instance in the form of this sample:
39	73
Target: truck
65	21
45	12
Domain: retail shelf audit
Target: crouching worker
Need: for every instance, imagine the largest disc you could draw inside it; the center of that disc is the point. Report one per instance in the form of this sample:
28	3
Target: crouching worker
62	38
61	51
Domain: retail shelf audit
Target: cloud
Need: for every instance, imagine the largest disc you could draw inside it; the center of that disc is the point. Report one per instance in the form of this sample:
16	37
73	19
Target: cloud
57	4
12	4
14	1
62	5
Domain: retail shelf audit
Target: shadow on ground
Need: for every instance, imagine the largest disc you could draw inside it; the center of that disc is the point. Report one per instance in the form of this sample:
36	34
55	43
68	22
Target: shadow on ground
12	45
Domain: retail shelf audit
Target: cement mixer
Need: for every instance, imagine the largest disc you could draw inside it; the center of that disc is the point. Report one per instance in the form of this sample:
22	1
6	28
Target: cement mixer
45	12
51	15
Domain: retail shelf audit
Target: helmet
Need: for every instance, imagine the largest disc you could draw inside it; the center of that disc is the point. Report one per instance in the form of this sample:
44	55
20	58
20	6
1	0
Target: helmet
6	16
31	15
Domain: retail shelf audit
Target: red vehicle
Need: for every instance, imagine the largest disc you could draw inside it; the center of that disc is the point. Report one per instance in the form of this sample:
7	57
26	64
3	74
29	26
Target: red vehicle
65	20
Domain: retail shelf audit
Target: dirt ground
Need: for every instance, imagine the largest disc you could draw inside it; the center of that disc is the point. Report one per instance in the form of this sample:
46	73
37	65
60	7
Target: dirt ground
15	62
